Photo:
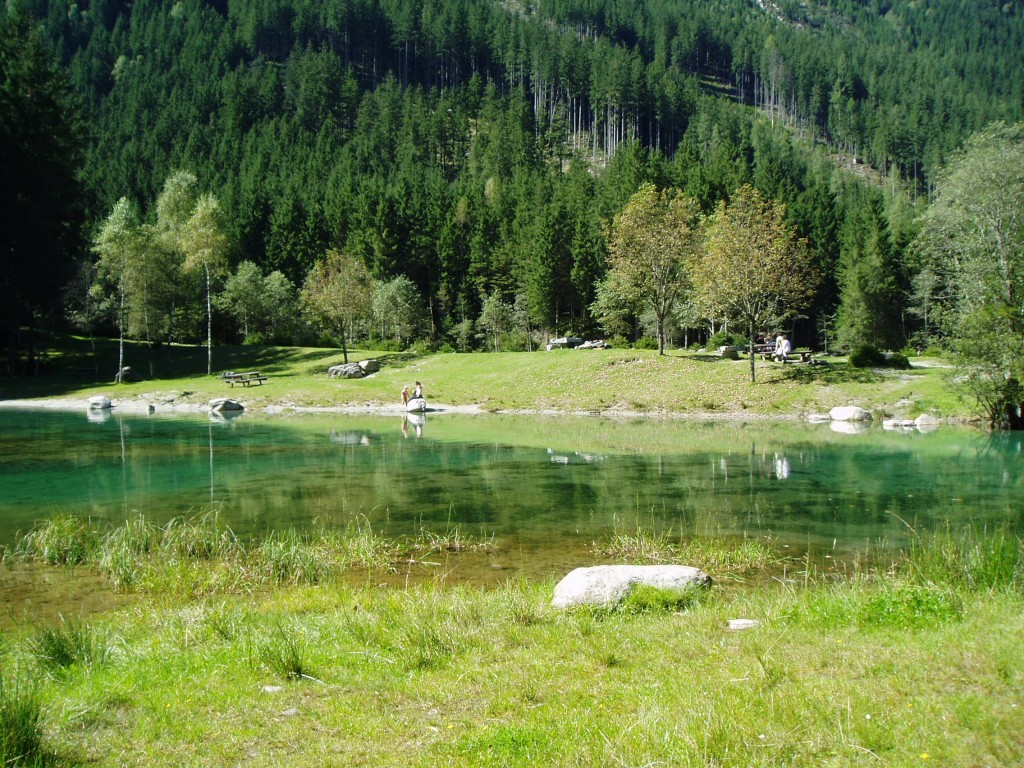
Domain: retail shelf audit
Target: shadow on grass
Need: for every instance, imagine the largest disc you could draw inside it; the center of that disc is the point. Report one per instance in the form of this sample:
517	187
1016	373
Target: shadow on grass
701	358
71	363
834	373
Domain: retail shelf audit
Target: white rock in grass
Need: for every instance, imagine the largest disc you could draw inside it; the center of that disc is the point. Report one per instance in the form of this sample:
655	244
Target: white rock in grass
607	585
739	624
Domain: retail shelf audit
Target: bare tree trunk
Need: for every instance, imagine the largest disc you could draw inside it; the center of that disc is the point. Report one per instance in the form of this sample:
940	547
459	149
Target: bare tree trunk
209	326
751	351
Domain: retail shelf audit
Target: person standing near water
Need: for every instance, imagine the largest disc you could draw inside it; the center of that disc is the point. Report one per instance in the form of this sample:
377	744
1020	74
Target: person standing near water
405	395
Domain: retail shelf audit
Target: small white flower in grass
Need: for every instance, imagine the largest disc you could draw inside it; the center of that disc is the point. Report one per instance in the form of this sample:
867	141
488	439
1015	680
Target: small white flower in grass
867	717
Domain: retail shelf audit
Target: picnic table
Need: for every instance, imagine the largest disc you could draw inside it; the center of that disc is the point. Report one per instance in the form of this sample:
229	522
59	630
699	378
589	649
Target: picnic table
767	350
245	379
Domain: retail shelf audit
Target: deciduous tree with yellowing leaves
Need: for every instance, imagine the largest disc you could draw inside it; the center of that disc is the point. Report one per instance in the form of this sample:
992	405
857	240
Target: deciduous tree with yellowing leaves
754	269
338	292
656	240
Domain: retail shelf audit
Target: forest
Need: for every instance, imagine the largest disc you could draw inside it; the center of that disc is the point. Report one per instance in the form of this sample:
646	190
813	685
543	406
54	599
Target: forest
472	157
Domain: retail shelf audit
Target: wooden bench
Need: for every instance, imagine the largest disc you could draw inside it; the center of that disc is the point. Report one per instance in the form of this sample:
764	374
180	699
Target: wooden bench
245	379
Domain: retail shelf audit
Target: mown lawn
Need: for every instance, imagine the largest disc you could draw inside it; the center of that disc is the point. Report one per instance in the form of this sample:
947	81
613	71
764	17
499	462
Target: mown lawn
589	381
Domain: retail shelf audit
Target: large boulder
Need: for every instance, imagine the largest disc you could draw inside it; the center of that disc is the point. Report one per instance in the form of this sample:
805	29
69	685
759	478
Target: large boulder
849	413
369	366
221	404
608	585
345	371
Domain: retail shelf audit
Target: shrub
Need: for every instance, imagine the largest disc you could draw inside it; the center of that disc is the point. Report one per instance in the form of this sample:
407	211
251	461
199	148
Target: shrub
897	360
645	342
867	356
725	339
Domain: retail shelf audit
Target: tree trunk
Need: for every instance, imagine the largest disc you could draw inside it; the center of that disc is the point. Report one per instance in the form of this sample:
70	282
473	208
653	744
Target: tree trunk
209	327
120	341
751	351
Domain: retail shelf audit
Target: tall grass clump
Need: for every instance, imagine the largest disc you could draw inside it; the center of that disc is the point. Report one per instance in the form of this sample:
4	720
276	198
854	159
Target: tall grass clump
62	540
974	558
123	550
648	546
198	538
290	557
21	739
71	642
744	555
284	653
360	547
643	544
452	540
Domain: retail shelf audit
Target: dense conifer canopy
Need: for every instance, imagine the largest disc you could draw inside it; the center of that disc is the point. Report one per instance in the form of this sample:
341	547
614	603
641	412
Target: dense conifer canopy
482	148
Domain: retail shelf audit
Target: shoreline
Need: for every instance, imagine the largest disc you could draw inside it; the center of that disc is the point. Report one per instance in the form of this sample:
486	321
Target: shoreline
166	403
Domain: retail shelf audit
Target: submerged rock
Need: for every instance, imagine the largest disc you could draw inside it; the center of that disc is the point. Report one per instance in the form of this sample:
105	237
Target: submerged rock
607	585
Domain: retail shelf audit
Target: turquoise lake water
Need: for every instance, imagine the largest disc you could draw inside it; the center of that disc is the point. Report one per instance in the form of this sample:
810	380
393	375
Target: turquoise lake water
544	487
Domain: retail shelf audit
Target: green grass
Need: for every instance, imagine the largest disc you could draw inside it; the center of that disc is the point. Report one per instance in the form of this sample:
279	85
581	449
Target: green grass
591	381
21	714
870	669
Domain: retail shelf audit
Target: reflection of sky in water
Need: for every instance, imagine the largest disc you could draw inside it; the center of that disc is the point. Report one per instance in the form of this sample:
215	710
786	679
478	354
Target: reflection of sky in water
535	484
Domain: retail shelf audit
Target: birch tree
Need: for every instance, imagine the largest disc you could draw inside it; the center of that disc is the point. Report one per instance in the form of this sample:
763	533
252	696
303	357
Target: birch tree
174	208
120	245
754	270
205	248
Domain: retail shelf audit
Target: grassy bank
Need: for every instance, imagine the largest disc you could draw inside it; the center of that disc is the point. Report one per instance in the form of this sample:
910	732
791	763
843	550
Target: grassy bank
602	381
916	664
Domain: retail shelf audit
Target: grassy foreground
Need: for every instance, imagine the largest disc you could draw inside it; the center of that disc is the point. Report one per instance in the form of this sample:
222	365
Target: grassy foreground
918	664
605	381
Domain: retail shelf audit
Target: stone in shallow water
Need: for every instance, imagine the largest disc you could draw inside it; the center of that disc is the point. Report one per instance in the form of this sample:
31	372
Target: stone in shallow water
608	585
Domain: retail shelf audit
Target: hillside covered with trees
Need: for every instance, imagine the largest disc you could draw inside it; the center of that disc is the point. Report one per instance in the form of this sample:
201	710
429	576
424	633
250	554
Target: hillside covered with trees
472	155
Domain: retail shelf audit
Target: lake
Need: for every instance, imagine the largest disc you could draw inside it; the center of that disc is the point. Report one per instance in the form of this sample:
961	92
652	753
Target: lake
545	488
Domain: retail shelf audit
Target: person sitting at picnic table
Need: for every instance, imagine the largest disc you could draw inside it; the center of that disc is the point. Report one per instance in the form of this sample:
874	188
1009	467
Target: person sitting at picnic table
782	348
